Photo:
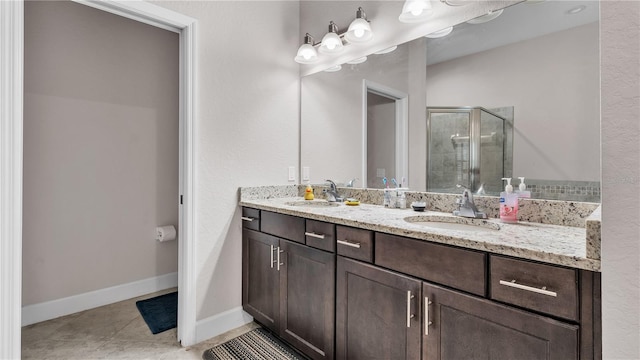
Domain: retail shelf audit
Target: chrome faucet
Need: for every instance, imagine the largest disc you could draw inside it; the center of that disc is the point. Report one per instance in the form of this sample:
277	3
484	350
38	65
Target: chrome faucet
332	192
351	182
466	206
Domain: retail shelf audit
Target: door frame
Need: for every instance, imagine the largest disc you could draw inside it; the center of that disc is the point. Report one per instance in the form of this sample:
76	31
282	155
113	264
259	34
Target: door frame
11	160
402	128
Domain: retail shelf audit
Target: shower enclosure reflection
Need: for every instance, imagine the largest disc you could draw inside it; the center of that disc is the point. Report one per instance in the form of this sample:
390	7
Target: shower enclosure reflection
470	146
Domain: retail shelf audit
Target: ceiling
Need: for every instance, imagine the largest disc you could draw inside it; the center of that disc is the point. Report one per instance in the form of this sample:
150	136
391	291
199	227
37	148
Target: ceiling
519	22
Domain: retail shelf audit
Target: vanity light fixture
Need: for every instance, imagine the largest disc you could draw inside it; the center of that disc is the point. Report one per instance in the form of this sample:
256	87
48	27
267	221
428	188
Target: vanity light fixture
486	18
307	53
440	33
414	11
357	61
331	42
359	30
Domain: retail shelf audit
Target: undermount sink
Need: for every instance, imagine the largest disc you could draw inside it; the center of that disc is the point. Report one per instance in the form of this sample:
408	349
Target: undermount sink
312	203
453	223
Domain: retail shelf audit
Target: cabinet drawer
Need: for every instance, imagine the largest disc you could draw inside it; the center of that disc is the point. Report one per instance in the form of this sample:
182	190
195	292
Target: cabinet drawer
545	288
251	218
455	267
354	243
320	235
283	226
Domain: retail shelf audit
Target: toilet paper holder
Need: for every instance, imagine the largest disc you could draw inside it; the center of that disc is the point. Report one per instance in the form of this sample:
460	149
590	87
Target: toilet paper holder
165	233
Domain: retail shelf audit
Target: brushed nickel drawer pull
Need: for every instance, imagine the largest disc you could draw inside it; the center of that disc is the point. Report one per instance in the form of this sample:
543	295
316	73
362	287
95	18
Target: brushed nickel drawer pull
427	323
347	243
314	235
542	291
245	218
409	314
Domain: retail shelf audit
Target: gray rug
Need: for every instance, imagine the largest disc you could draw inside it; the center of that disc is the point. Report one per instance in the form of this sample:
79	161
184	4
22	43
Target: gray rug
258	344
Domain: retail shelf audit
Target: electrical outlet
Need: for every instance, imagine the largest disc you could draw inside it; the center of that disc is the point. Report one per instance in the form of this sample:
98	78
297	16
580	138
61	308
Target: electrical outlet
292	173
380	173
305	173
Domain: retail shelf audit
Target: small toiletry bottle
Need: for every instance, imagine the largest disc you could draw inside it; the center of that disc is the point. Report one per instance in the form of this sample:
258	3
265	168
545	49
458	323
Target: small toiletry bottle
402	200
522	189
308	193
508	204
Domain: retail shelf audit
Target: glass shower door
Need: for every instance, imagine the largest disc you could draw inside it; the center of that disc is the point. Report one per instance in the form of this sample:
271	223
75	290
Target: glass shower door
449	150
492	134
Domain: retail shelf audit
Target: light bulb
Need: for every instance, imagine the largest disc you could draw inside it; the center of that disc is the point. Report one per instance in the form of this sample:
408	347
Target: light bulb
358	32
416	11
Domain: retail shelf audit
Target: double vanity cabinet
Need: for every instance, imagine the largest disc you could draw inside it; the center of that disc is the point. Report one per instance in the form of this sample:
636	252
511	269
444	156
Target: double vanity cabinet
336	291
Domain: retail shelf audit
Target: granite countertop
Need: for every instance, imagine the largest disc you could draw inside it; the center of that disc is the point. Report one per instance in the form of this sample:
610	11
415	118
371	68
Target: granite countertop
555	244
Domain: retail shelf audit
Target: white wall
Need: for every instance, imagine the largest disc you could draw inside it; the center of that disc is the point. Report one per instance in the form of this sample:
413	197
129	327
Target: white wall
553	83
620	51
247	127
100	150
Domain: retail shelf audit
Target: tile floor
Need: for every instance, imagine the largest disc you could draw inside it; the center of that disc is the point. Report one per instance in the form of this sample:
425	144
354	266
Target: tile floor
115	331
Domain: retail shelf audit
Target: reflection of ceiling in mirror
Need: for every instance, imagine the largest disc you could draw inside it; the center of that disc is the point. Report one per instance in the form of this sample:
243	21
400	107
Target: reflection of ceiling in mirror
519	22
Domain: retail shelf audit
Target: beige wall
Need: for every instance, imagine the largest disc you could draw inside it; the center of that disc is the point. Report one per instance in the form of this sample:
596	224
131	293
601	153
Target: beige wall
100	150
620	51
247	127
553	84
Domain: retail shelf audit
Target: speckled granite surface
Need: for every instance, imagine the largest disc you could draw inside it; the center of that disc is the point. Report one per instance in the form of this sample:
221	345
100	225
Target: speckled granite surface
551	243
593	225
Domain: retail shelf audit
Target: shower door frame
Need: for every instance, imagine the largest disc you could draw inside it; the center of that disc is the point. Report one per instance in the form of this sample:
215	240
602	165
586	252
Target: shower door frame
474	139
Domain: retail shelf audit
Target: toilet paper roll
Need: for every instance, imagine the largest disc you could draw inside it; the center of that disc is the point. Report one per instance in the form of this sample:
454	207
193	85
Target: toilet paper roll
165	233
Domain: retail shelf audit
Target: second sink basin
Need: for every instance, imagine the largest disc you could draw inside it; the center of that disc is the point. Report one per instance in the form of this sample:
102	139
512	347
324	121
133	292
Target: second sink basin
453	223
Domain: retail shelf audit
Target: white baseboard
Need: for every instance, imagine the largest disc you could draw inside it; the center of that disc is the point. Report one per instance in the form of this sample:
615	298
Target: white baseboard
35	313
221	323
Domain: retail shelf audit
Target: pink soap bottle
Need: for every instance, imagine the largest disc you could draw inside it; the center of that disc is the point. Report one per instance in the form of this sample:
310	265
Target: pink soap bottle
508	204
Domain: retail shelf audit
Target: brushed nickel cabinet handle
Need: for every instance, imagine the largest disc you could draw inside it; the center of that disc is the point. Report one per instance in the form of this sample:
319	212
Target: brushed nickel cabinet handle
271	256
542	290
409	314
279	263
427	323
314	235
348	243
245	218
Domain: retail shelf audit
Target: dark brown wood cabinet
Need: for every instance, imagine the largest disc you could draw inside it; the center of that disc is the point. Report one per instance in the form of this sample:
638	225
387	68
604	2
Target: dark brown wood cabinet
290	288
461	326
349	293
377	313
260	278
307	299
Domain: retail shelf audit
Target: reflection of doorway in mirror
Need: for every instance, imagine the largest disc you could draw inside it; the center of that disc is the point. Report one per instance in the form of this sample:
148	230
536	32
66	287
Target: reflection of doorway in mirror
385	135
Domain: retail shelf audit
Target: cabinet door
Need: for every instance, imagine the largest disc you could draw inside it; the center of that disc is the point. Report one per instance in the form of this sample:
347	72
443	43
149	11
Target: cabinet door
260	278
307	299
377	313
466	327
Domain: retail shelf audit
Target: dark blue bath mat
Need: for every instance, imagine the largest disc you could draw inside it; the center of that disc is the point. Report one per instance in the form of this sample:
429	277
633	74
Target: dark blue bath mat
160	313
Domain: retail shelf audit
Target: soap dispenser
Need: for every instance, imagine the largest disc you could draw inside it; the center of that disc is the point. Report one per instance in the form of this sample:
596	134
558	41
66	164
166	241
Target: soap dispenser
308	192
508	203
522	189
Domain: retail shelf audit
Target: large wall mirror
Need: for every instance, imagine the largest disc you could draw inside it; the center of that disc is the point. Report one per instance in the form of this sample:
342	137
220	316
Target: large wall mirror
535	66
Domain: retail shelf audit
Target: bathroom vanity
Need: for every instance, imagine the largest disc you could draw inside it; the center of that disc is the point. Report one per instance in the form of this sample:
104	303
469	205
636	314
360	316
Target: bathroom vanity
363	282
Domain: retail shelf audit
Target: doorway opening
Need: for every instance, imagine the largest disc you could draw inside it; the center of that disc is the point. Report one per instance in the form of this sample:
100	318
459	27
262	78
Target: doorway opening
385	135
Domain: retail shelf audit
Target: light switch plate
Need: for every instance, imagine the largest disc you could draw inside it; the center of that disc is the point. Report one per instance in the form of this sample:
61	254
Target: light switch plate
292	173
305	173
